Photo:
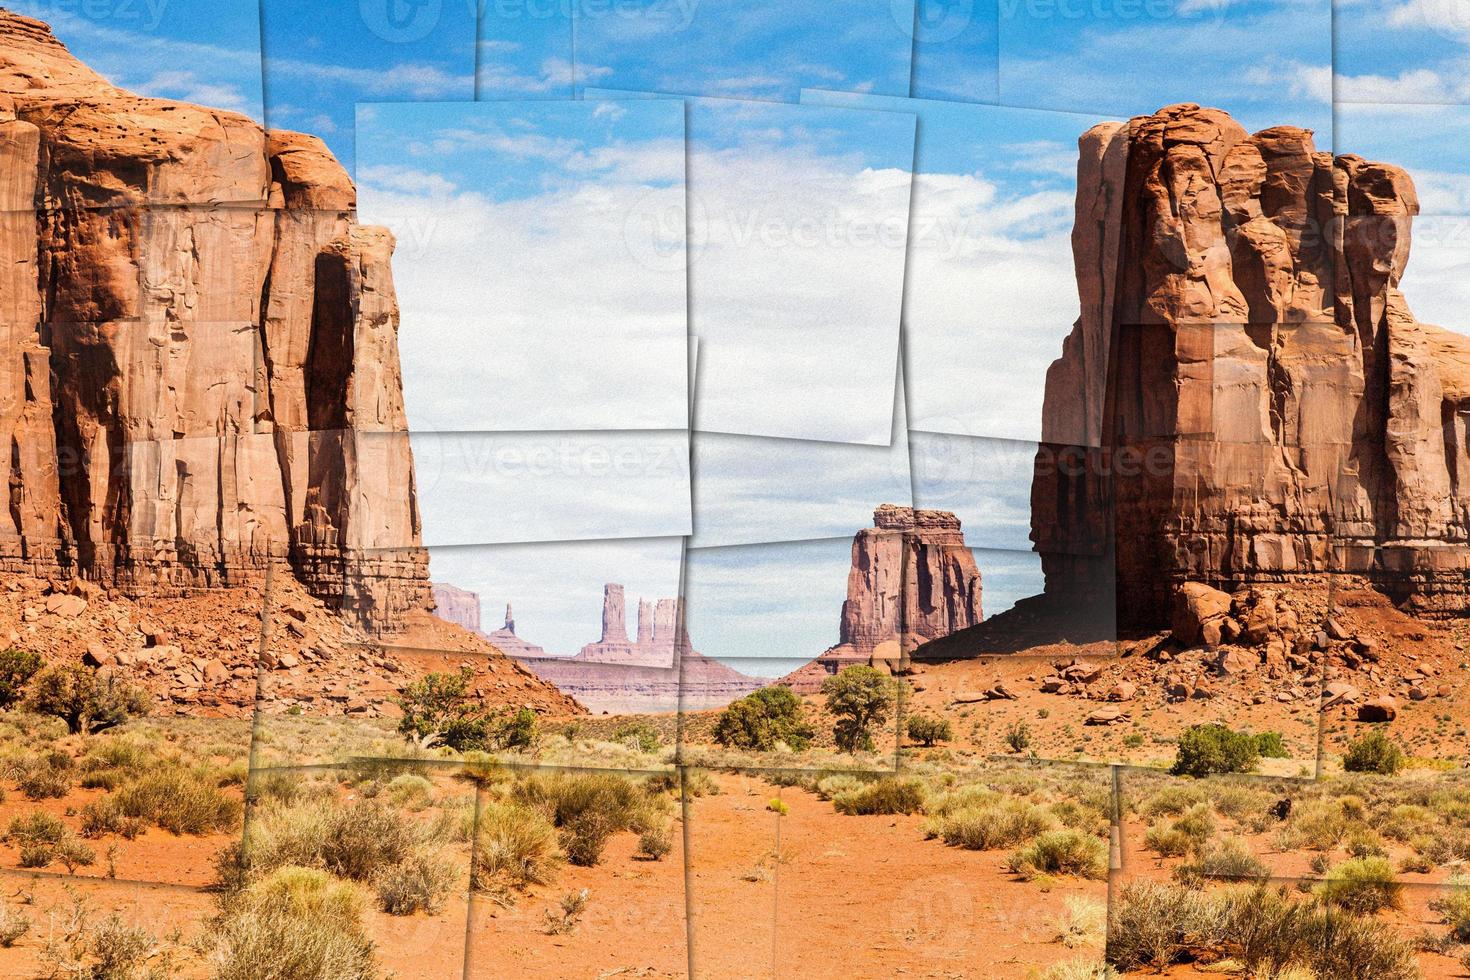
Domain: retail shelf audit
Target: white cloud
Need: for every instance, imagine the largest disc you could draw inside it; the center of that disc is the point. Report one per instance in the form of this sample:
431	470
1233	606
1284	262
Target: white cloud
1414	85
186	86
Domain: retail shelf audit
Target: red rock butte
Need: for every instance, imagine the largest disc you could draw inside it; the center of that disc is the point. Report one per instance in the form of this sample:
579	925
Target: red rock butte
200	373
1246	397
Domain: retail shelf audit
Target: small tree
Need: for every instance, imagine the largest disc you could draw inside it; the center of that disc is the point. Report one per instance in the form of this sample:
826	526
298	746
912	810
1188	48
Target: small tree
438	710
518	730
86	699
761	719
1373	752
17	667
926	731
860	697
1018	737
1208	749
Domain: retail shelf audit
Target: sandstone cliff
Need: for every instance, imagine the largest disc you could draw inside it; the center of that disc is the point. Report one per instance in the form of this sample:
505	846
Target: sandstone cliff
1246	397
912	580
200	370
459	606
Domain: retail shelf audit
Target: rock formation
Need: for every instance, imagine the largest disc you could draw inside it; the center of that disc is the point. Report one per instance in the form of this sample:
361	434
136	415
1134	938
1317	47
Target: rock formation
1246	398
508	643
912	580
200	371
660	672
459	606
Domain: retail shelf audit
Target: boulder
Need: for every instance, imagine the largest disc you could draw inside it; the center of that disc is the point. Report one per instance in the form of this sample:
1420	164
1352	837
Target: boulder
1199	614
1378	709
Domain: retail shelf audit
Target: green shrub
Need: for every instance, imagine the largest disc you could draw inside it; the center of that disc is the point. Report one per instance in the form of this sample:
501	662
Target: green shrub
860	698
439	710
298	924
889	795
515	847
1167	842
639	735
1362	885
1205	750
46	777
762	719
17	667
1454	908
1018	737
516	730
1270	745
927	731
1373	752
87	700
1061	852
1227	860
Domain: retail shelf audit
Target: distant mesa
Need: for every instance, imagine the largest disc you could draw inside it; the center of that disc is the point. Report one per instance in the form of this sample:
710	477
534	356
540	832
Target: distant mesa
912	579
458	606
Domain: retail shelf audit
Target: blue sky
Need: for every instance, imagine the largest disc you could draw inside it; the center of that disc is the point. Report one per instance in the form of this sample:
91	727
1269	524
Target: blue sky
324	56
1403	51
956	51
754	49
993	204
540	266
207	53
799	216
1432	142
1267	62
525	50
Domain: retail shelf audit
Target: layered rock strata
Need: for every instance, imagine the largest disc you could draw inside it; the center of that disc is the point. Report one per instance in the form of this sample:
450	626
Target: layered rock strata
460	606
1247	398
199	376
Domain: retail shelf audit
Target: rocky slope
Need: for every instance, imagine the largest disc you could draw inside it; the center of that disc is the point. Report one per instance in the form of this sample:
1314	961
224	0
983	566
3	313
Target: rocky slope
1247	398
199	370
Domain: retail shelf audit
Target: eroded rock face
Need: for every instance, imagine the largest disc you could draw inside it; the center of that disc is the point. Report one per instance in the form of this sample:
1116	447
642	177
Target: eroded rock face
200	371
911	576
1246	397
461	607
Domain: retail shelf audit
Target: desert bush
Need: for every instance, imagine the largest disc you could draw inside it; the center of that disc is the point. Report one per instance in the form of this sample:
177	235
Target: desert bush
830	787
1206	750
297	924
1003	823
1350	947
48	776
1061	852
1172	800
655	843
1079	970
1154	925
1082	920
1317	825
438	710
1454	908
1228	860
517	729
1373	752
1167	842
1362	885
860	698
410	790
178	800
563	919
889	795
1362	842
584	836
86	700
418	882
1018	737
515	847
17	667
1239	803
639	735
1197	823
927	731
762	719
36	827
13	926
364	837
42	839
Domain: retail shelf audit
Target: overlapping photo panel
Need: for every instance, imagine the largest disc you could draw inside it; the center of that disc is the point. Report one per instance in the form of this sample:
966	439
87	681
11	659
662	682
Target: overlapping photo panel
798	218
995	194
525	51
748	50
956	51
1268	65
322	58
754	490
490	199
